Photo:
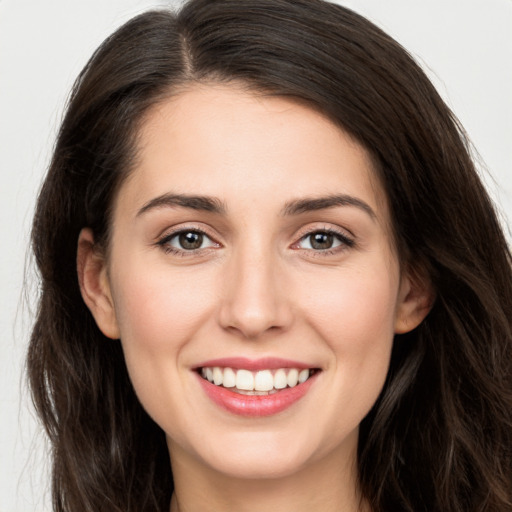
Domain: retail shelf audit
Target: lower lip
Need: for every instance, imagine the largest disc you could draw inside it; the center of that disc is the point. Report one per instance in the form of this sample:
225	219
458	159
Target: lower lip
256	405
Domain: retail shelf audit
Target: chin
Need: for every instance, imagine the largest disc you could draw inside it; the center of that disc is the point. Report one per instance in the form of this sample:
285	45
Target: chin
261	457
259	468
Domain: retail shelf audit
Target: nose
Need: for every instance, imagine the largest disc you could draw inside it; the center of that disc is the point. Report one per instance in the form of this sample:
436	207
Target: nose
254	298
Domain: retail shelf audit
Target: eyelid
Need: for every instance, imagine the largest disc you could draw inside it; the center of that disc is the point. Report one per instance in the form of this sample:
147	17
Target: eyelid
167	235
346	238
313	227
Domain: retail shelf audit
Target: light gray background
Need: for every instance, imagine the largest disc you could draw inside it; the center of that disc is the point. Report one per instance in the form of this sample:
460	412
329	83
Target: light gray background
465	46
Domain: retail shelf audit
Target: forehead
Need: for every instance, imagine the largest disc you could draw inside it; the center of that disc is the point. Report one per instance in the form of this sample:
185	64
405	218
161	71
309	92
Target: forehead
222	141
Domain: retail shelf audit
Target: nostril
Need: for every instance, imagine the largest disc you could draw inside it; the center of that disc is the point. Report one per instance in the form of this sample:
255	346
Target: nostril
254	304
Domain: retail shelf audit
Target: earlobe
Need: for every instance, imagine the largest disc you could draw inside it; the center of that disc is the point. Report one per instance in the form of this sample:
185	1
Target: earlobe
95	285
416	298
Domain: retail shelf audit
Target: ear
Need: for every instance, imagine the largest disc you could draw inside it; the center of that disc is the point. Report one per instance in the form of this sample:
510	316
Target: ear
95	285
415	300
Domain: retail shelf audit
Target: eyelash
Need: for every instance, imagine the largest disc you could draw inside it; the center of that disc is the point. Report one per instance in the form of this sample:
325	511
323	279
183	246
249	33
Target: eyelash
345	242
164	242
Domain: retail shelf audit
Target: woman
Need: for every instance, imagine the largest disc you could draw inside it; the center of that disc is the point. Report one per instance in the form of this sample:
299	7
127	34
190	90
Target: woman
267	262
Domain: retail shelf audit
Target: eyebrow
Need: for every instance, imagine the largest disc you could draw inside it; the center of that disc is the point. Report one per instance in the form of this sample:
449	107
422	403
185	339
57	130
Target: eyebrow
215	205
298	206
203	203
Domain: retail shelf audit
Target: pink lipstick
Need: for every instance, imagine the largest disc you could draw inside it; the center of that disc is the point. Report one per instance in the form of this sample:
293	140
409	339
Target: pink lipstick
254	388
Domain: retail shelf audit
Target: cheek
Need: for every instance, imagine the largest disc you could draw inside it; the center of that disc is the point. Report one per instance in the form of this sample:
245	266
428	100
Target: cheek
159	307
354	315
159	310
353	308
354	312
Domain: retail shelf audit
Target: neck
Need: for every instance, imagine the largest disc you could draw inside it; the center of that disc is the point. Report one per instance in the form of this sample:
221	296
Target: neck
322	486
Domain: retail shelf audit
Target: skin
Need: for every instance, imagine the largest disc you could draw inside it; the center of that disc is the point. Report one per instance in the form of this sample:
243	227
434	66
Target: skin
255	288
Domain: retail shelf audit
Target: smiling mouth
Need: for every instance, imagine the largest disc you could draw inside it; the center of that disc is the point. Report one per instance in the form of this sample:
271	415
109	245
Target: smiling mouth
257	383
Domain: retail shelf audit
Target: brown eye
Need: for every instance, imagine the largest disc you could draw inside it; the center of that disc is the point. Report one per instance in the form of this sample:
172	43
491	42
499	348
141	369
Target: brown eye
321	241
186	241
324	240
190	240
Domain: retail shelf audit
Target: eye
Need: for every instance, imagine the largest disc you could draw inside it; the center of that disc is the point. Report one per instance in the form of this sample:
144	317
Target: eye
324	240
187	240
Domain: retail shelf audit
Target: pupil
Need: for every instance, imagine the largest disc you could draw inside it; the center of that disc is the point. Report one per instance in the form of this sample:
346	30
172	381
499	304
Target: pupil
321	241
191	240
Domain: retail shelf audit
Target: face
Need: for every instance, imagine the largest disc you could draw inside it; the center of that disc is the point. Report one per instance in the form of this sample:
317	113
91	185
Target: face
251	246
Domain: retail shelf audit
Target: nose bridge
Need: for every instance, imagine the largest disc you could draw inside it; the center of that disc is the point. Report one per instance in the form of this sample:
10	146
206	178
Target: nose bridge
254	301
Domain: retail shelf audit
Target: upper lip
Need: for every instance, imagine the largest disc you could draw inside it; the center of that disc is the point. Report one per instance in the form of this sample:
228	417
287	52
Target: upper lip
264	363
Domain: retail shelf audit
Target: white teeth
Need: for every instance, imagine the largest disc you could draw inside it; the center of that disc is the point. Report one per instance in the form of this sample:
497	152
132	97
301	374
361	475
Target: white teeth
245	380
303	376
229	380
280	381
293	377
218	375
261	382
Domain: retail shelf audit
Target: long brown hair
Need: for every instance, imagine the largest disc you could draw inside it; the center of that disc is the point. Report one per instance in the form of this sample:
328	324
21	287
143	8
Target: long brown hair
439	437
